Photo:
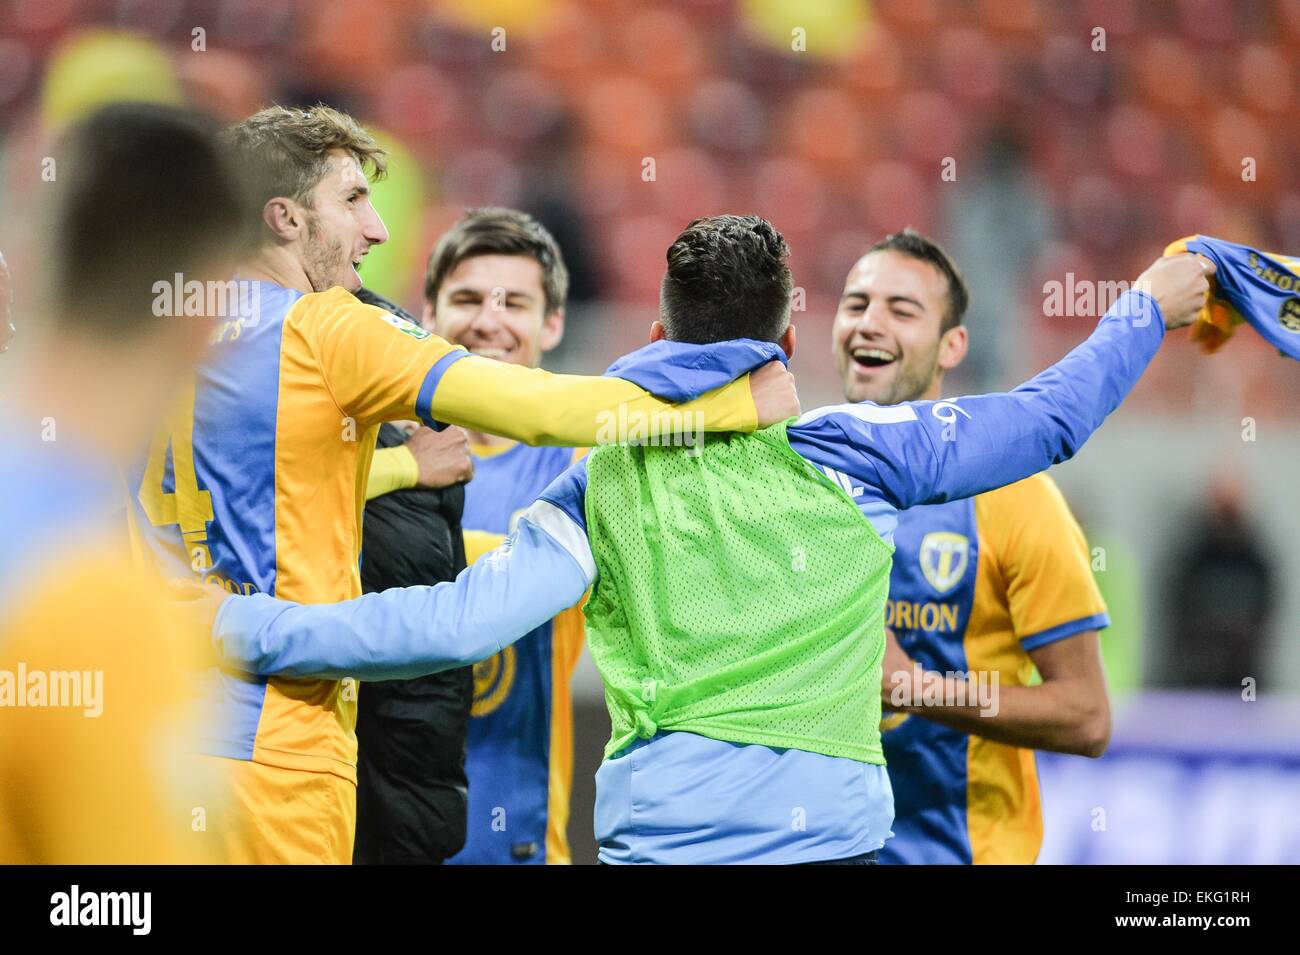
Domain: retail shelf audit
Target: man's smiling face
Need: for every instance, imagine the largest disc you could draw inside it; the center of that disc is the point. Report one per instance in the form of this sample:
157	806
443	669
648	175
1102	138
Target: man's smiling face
342	225
495	306
888	328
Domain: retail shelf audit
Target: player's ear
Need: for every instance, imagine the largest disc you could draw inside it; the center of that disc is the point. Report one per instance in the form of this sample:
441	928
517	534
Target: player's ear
552	329
787	341
657	333
952	347
282	218
427	319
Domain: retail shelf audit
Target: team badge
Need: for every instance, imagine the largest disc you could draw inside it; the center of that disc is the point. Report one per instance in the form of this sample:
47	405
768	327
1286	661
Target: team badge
943	559
493	680
1289	315
892	721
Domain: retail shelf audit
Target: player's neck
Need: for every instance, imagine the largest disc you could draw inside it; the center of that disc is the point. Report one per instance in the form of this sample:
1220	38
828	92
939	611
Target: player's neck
277	266
933	391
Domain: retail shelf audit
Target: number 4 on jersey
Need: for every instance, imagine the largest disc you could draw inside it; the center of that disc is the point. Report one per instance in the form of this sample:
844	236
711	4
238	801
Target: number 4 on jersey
188	506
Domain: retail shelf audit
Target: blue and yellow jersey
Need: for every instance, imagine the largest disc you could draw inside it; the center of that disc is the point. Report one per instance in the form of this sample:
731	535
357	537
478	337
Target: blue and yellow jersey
96	666
976	585
258	482
257	485
1248	286
520	756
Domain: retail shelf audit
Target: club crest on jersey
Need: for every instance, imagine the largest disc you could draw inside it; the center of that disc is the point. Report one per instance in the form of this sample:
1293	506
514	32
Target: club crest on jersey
404	326
943	557
493	680
892	721
1289	315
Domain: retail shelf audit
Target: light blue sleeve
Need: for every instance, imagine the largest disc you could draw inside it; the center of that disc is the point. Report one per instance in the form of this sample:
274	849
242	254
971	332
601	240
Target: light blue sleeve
927	452
544	567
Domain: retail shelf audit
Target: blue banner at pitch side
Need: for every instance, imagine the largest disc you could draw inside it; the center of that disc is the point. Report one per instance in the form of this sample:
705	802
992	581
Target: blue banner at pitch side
1189	778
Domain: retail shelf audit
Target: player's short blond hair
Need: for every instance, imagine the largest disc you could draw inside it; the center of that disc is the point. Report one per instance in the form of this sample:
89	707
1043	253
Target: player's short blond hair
286	149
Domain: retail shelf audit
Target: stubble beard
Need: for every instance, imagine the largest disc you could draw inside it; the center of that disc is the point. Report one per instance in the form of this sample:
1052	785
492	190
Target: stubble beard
323	258
910	383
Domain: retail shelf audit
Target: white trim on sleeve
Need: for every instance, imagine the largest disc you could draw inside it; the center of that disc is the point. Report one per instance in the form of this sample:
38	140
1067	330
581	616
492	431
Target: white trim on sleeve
564	530
864	411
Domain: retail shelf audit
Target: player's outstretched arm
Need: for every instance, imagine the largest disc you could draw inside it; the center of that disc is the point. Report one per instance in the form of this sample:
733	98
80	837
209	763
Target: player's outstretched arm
927	452
380	367
537	407
540	570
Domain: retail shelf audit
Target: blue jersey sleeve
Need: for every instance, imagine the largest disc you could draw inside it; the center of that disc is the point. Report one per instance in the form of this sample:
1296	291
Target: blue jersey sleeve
540	570
927	452
681	371
568	492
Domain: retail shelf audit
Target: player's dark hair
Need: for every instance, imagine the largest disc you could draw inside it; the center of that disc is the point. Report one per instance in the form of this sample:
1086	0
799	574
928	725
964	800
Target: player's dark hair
727	278
491	230
924	249
145	192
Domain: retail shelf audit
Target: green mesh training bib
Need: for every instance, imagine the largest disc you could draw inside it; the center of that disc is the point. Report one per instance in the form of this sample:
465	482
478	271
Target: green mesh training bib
741	596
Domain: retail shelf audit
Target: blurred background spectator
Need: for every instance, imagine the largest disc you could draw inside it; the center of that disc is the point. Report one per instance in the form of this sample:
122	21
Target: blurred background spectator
1220	598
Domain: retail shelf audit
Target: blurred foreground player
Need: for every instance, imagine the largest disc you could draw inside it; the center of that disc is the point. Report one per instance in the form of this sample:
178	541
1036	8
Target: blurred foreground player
96	716
996	584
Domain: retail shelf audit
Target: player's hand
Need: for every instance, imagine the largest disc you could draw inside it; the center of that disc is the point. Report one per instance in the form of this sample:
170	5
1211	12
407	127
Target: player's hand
897	672
195	605
1180	284
775	395
7	329
443	456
